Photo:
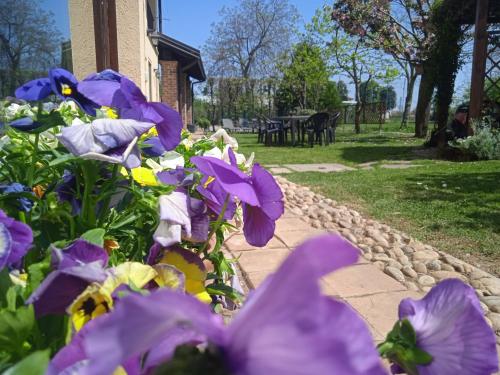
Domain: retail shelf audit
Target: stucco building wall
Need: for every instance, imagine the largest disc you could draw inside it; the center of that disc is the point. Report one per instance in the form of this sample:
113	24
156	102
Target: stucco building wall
137	57
82	37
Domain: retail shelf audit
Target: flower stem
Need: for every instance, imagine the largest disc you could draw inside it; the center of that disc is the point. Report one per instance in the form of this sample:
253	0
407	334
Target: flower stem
31	169
105	204
88	207
216	225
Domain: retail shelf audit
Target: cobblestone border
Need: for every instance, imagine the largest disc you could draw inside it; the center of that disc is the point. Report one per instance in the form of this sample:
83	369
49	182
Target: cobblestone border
416	265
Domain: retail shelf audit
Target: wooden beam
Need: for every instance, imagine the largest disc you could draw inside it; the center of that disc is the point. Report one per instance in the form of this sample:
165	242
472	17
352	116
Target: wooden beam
106	43
479	59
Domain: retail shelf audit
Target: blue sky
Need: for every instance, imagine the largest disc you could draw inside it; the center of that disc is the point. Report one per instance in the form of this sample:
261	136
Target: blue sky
190	20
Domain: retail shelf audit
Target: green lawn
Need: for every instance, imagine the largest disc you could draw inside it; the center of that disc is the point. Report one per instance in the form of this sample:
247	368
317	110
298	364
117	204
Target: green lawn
453	206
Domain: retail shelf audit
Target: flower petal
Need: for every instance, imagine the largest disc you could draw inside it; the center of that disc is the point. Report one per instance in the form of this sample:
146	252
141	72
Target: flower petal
231	179
268	191
450	326
37	89
258	228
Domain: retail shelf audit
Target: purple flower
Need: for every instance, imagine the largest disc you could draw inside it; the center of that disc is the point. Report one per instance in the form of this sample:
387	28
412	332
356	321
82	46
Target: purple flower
261	196
259	220
25	124
286	327
120	92
113	141
153	147
177	177
60	82
15	240
22	203
449	325
181	217
78	265
37	89
67	191
215	196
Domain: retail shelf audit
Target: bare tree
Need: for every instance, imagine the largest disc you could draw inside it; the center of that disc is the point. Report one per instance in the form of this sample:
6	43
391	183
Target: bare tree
29	41
250	37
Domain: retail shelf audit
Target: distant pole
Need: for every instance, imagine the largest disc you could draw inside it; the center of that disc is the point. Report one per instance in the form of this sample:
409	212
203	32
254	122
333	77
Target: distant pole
479	59
160	17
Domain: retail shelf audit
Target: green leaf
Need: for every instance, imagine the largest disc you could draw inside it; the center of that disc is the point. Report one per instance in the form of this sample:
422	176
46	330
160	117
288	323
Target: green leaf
421	357
34	364
407	333
226	291
36	274
95	236
15	329
5	284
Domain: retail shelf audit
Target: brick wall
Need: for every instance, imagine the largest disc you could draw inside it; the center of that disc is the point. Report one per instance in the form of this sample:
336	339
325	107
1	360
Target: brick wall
176	90
169	89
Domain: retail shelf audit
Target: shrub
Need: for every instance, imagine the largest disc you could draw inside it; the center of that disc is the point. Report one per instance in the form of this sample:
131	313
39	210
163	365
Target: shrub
203	122
483	145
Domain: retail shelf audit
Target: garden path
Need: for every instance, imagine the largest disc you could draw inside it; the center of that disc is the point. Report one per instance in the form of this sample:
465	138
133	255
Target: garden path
372	293
337	167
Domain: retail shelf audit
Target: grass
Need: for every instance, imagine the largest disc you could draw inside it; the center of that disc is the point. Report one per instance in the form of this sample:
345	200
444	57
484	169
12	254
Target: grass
453	206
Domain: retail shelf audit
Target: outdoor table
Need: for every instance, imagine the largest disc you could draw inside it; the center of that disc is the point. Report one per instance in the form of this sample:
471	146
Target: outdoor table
295	121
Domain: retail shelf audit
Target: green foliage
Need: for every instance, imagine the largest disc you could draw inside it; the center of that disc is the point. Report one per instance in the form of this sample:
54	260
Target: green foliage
34	364
203	122
483	145
388	95
330	99
305	79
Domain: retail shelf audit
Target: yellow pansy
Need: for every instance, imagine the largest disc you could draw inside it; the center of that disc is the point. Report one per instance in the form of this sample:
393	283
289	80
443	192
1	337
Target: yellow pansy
193	269
169	277
143	176
129	273
91	303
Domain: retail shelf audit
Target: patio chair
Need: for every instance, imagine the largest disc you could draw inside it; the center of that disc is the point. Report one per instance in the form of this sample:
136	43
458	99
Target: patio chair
244	125
332	127
228	124
316	128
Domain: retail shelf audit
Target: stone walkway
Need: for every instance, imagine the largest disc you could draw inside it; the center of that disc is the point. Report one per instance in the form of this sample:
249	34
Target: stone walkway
336	167
372	293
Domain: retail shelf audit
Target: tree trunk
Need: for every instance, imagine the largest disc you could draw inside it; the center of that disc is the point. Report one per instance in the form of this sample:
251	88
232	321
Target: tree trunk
408	98
357	108
425	91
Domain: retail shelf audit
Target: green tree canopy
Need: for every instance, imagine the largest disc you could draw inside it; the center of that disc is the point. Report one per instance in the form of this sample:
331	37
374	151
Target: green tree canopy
305	79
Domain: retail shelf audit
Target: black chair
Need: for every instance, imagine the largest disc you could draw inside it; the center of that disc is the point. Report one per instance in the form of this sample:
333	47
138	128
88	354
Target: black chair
274	132
316	128
332	127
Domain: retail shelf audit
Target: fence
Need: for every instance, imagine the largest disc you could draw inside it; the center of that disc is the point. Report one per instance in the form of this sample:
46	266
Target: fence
371	113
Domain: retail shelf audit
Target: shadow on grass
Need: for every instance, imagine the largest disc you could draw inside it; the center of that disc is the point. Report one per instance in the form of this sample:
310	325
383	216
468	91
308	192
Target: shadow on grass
475	195
363	154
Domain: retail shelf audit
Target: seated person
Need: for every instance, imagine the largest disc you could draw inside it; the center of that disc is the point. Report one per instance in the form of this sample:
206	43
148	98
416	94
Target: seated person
459	123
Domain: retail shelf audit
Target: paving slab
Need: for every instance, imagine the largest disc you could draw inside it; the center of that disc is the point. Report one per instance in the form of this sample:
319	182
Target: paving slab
279	170
361	280
381	310
293	238
238	243
324	168
399	166
260	260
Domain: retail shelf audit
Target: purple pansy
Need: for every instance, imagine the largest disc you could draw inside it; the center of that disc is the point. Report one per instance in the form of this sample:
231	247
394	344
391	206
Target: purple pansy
15	240
215	197
22	203
286	327
67	192
181	217
113	141
37	89
60	82
122	93
259	220
25	124
177	177
450	326
261	196
78	265
153	147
